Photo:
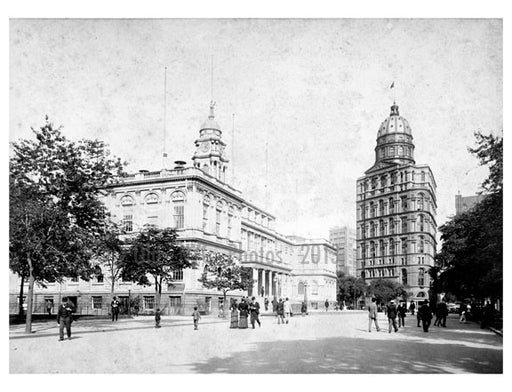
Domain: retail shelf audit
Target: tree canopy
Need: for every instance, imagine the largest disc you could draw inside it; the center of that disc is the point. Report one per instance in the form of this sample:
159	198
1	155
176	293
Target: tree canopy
384	290
56	214
155	253
349	287
470	263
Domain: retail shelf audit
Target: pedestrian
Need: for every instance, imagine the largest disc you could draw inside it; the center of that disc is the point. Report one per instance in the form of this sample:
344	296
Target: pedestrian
304	308
280	311
487	315
326	305
372	315
234	315
196	317
266	304
244	311
65	317
274	306
412	306
391	313
426	315
402	310
463	309
254	310
441	313
157	318
49	307
287	308
114	307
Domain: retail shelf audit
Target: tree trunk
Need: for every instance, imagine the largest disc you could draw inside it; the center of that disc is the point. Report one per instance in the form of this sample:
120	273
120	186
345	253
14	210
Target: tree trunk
20	307
28	322
225	307
158	289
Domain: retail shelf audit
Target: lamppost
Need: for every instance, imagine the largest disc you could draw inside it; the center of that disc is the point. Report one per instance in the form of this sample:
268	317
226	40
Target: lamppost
306	295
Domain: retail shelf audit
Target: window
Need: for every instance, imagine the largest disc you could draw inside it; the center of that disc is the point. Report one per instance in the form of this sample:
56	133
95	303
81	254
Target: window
372	249
314	288
74	279
421	277
404	203
381	227
404	225
230	222
382	248
217	220
420	201
422	176
391	205
148	302
391	226
372	210
422	245
98	274
381	207
178	213
391	247
205	214
178	275
372	229
422	222
97	302
404	245
127	213
300	288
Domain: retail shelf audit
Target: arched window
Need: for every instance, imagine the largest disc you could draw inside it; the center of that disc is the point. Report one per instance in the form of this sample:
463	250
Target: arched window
404	246
151	201
98	273
382	249
420	201
422	176
381	227
391	205
206	168
363	275
391	247
372	229
206	205
391	226
421	294
300	288
421	247
400	151
218	214
372	209
381	207
421	277
127	213
372	249
404	276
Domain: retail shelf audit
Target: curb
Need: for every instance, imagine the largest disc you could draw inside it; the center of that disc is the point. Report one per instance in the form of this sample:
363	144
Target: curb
496	331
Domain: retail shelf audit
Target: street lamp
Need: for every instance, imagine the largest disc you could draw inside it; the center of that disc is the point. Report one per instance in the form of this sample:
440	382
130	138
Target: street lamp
306	295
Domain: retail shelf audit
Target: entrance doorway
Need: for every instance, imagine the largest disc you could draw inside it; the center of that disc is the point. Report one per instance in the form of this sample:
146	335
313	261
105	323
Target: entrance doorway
175	304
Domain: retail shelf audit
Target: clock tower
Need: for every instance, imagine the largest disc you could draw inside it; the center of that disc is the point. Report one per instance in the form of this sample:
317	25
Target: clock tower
210	149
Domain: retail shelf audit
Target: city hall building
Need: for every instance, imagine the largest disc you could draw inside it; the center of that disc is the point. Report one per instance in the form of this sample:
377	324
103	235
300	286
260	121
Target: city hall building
209	215
396	212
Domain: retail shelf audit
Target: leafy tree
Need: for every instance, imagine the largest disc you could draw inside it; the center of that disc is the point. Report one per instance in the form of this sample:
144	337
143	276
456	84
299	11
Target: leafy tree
224	273
109	251
384	290
350	288
470	263
155	253
55	210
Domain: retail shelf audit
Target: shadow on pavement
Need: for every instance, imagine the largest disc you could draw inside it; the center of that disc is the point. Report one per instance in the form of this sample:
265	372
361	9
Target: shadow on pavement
346	355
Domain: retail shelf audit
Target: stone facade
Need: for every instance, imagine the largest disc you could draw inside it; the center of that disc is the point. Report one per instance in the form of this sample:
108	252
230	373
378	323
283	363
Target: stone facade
396	212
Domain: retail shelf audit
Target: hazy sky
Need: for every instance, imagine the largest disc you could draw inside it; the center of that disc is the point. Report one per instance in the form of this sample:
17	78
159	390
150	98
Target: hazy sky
313	91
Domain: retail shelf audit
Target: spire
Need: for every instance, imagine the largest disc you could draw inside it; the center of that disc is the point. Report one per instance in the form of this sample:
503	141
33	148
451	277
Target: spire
212	107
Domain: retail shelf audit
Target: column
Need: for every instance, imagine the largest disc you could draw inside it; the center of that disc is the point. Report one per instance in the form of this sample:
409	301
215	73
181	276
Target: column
266	279
260	281
254	291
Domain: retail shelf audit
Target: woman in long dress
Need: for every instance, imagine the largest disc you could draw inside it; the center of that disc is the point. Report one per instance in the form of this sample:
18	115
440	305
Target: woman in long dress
234	315
244	312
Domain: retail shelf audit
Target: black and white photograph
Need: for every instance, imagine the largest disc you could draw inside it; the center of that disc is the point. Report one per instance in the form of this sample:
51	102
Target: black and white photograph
255	195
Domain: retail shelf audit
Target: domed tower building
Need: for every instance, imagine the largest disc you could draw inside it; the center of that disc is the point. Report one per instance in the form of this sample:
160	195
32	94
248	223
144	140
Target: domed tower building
209	155
396	212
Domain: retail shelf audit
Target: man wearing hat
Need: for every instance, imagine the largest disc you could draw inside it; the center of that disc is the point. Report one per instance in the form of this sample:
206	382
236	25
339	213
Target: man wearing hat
392	316
426	315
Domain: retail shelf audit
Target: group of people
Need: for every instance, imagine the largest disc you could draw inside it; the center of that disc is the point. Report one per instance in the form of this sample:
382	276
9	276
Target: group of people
240	313
394	311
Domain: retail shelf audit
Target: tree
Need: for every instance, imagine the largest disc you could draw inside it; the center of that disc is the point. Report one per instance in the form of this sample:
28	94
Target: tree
470	263
350	288
109	251
55	210
224	273
156	253
384	290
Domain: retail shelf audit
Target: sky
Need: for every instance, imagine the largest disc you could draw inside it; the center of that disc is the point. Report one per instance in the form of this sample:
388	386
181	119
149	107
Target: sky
308	94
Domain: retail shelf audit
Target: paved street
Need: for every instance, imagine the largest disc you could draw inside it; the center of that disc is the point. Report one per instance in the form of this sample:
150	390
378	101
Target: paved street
336	342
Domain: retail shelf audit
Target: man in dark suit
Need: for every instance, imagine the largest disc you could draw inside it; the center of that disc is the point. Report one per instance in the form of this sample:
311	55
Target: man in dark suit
114	305
392	312
65	317
425	315
254	310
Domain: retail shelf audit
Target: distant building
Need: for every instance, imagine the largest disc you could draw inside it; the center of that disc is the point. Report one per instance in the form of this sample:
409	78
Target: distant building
465	203
396	212
344	239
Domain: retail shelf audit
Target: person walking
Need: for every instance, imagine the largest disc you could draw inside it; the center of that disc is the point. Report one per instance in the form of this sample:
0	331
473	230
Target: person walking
463	309
196	316
254	310
158	317
234	315
65	317
412	306
114	308
244	312
402	311
287	308
426	315
304	308
391	313
280	311
326	305
372	315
